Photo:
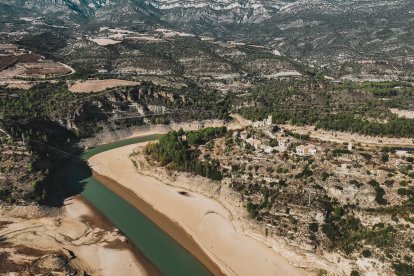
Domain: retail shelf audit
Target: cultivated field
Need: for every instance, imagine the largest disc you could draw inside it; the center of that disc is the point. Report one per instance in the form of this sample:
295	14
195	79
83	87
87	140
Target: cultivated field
99	85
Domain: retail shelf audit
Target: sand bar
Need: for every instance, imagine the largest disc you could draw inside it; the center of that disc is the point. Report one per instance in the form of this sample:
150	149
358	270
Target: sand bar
97	247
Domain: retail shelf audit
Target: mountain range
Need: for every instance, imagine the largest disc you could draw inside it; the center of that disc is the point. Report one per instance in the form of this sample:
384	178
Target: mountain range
335	36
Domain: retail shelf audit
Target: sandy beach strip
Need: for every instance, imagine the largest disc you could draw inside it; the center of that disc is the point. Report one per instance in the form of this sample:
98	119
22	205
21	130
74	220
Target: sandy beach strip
200	224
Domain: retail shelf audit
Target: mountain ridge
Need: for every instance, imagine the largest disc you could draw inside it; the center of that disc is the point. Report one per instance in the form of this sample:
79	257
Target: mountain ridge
333	36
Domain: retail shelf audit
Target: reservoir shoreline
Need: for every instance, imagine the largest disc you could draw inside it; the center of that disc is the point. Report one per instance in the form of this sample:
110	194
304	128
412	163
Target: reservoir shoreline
98	219
167	225
197	217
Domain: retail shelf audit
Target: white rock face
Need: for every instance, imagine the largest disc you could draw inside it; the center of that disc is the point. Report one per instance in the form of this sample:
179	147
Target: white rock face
260	10
246	10
217	5
237	11
254	6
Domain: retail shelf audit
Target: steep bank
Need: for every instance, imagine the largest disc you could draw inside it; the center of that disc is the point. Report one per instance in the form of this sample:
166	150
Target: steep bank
107	136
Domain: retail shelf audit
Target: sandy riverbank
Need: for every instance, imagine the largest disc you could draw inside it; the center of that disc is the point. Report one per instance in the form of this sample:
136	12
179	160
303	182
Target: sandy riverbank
204	219
162	221
75	233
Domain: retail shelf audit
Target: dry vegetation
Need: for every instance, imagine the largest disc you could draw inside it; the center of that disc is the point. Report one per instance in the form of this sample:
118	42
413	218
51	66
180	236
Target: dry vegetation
356	201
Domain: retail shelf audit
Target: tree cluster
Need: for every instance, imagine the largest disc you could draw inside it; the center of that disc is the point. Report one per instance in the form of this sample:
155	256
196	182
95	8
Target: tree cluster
176	151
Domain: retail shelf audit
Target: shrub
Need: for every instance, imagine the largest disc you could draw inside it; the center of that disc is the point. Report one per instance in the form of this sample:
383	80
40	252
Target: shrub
314	227
322	272
402	269
331	230
389	183
379	197
367	156
403	183
252	209
380	192
10	200
356	183
339	152
402	191
366	253
381	238
325	176
373	183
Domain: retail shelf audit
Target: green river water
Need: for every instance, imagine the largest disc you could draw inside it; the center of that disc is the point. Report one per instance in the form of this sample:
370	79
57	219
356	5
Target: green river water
163	251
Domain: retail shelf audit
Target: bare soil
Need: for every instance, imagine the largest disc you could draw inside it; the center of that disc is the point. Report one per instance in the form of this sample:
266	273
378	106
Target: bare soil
90	86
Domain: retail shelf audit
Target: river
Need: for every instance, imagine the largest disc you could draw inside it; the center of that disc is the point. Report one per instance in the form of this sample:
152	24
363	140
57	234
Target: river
163	251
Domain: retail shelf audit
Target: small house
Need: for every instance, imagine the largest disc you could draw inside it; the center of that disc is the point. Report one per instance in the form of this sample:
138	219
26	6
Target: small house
306	150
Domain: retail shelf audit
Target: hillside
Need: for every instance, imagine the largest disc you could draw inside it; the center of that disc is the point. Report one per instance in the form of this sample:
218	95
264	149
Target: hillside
350	39
309	109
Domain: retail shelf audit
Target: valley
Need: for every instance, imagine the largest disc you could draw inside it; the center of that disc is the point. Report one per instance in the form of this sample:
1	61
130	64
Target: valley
291	120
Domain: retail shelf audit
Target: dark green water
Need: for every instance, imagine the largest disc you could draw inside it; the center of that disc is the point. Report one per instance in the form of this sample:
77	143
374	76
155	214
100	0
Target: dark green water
93	151
164	252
